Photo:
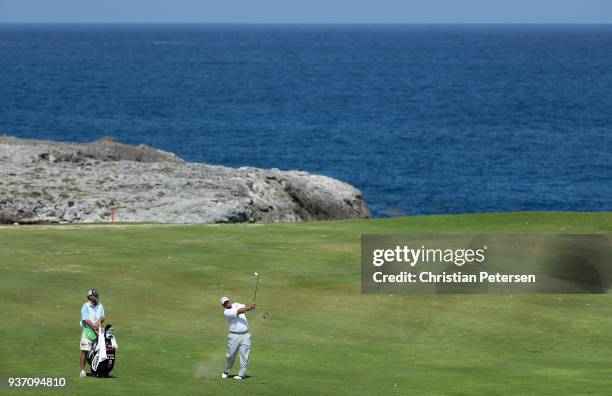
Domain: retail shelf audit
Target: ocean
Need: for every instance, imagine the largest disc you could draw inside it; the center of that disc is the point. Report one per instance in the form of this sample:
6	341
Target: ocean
423	119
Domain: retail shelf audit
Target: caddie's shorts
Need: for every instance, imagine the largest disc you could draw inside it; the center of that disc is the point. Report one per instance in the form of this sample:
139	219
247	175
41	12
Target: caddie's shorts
86	344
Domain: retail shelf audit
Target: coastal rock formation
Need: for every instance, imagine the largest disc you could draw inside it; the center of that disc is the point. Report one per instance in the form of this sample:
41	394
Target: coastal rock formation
51	182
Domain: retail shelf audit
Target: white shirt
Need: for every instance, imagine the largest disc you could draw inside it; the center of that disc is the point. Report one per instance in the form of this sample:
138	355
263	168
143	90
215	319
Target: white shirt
237	323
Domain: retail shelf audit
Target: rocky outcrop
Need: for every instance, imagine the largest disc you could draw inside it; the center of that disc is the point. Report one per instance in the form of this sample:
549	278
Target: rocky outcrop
50	182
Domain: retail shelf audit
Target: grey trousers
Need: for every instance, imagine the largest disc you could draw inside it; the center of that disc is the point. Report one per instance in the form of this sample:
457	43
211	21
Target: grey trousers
238	344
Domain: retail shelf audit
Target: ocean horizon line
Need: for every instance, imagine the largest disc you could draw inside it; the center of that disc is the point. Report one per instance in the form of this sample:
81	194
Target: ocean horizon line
362	23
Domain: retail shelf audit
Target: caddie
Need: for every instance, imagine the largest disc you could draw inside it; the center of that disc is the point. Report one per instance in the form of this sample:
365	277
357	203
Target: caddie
92	316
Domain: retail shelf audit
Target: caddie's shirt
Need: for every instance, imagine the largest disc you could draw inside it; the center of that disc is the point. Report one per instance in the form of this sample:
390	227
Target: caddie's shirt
91	312
237	323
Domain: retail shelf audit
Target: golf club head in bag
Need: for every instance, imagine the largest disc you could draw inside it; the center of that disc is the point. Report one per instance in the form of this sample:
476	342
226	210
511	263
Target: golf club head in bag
103	361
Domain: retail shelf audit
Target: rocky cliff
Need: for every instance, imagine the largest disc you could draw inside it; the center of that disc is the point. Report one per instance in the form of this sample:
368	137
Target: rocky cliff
50	182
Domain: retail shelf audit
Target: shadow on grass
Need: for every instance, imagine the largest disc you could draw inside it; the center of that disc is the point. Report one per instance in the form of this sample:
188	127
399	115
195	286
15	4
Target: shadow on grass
93	376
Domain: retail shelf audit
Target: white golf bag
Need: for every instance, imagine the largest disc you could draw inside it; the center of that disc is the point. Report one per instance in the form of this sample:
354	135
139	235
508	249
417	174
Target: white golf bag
101	358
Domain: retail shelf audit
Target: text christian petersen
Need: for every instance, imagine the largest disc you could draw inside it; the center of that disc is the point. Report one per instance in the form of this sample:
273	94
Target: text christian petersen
422	255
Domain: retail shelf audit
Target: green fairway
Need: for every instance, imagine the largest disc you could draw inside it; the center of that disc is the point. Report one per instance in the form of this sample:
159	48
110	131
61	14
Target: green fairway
160	285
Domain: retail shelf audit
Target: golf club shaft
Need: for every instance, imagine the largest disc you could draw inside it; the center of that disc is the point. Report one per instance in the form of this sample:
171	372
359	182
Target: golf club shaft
255	294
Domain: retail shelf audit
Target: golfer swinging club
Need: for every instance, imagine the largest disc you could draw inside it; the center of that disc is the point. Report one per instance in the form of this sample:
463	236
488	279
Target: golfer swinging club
92	316
239	338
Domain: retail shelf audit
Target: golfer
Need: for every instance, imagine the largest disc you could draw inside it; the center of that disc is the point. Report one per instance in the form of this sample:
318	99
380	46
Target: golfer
239	338
92	316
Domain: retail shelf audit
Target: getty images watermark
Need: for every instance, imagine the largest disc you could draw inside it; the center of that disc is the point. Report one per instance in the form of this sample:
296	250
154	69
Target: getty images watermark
486	264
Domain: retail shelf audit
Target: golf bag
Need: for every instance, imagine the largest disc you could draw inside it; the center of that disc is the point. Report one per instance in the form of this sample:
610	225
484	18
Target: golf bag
102	362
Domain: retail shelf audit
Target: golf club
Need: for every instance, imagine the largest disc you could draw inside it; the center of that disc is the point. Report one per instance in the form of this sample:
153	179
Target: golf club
256	284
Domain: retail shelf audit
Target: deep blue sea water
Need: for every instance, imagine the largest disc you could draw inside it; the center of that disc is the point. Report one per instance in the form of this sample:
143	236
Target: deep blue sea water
423	119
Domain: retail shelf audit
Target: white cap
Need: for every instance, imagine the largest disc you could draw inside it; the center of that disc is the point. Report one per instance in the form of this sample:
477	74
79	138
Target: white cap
224	300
